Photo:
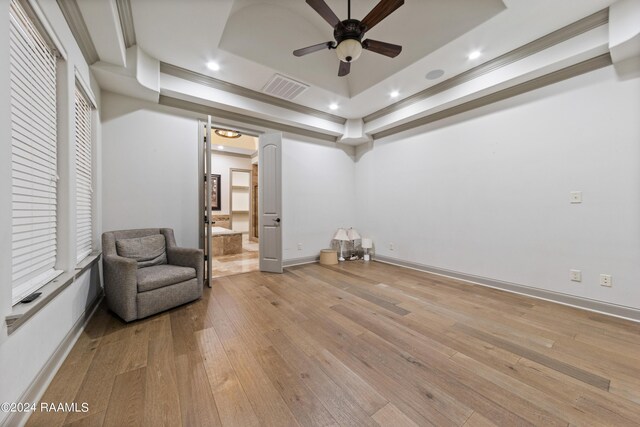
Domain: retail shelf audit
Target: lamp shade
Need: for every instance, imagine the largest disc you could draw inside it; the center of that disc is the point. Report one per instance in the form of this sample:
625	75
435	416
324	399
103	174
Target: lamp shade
341	234
353	234
367	243
349	50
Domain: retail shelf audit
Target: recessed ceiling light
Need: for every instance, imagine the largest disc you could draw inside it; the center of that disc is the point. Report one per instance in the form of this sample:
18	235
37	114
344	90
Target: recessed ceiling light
394	94
474	55
228	133
213	66
220	147
333	106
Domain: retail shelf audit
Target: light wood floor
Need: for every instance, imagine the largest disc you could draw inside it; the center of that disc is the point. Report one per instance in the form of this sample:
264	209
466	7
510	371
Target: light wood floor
356	344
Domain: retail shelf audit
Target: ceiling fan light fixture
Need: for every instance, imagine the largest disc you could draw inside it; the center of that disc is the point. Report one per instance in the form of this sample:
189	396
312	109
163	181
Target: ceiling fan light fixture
349	50
348	33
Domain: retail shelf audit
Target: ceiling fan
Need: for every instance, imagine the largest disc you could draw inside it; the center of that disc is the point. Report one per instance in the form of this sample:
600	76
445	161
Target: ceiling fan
349	33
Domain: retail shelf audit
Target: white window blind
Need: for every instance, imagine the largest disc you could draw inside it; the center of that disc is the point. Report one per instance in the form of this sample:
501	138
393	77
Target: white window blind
32	67
84	189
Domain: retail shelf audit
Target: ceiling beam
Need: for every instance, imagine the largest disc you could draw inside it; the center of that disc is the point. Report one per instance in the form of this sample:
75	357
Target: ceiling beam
78	28
563	34
205	80
248	120
536	83
126	22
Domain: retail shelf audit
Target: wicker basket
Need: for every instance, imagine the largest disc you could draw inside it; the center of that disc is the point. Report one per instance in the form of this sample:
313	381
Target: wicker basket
328	257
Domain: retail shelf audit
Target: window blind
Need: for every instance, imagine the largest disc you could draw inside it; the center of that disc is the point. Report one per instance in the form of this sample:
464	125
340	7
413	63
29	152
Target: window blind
32	67
84	211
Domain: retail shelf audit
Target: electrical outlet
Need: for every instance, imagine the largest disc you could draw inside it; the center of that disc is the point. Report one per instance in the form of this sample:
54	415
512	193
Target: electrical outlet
392	247
575	197
605	280
299	246
575	275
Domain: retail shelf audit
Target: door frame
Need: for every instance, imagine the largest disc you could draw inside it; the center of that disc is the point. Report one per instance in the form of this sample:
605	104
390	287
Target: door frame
202	125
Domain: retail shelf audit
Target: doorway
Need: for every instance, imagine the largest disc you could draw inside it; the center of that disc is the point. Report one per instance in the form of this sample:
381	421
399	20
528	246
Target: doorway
230	234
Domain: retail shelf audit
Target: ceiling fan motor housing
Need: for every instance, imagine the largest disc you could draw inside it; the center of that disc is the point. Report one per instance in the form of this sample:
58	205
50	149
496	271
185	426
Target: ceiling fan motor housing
349	29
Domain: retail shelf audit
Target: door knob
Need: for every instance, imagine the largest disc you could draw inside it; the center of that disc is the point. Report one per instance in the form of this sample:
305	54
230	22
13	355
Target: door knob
277	220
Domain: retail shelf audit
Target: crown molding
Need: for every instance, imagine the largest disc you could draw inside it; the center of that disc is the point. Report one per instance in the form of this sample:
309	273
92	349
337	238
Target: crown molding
248	120
205	80
539	82
78	28
126	22
563	34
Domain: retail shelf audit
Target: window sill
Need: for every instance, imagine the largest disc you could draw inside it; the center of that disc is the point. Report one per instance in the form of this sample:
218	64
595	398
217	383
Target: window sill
22	312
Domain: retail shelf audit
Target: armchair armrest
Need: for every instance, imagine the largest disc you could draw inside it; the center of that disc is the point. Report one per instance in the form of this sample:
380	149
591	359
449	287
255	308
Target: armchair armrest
121	285
187	257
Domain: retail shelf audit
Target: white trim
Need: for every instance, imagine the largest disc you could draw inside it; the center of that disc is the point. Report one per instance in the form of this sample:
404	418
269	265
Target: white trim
41	382
48	28
33	284
82	256
86	88
615	310
300	261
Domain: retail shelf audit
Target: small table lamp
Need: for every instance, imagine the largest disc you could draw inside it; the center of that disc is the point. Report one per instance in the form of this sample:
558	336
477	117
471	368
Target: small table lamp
341	236
366	245
353	235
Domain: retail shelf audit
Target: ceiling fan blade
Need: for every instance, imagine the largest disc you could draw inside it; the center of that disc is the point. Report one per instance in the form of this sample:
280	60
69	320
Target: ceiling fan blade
381	11
345	68
325	11
311	49
386	49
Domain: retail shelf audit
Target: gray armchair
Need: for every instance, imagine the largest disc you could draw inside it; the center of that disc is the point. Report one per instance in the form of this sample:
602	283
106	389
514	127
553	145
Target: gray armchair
146	273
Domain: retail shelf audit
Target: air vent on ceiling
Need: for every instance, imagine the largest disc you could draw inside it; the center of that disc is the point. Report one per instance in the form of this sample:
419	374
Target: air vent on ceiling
284	87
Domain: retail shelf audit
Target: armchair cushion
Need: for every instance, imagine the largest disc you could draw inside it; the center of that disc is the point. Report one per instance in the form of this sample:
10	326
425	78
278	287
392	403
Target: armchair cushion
159	276
147	250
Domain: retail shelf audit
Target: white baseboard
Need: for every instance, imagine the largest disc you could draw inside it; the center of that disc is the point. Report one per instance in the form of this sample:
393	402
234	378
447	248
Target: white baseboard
39	385
628	313
299	261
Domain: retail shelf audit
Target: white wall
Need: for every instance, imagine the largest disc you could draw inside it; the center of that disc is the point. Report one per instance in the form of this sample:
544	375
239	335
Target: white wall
150	165
25	352
487	193
318	195
150	168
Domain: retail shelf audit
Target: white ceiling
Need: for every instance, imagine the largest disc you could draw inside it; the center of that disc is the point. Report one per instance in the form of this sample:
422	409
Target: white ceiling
253	39
278	27
245	144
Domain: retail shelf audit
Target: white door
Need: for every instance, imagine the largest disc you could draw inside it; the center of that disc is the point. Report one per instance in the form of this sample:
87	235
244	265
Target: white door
270	202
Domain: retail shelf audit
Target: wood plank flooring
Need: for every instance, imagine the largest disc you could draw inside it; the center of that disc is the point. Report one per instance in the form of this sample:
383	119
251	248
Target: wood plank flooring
355	344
